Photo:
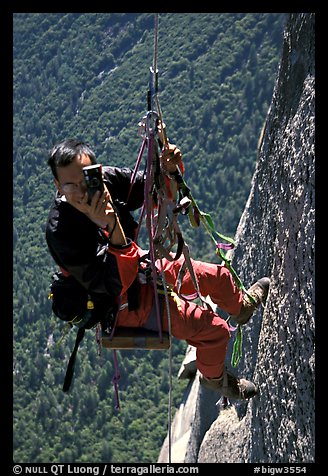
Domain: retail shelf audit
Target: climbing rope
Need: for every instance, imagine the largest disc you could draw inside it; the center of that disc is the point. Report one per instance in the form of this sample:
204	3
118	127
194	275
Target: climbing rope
155	56
154	160
162	227
169	416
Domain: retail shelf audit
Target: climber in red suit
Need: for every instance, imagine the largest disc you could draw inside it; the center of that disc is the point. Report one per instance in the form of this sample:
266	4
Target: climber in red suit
94	243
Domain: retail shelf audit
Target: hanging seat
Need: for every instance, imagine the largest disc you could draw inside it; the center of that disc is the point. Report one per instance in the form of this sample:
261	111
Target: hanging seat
133	338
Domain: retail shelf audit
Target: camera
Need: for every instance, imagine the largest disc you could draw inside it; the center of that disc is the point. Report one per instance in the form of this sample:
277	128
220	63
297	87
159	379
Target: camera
93	179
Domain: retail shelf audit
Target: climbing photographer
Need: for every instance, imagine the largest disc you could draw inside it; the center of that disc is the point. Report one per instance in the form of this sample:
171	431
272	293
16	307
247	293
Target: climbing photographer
92	240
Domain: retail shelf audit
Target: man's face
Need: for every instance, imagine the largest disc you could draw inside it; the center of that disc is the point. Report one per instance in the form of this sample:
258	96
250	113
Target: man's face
71	180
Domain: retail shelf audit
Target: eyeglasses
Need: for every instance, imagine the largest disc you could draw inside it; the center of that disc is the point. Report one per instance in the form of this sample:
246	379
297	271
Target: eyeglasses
73	187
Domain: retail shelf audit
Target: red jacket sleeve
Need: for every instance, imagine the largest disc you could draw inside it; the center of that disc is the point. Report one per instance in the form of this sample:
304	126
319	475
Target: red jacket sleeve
127	258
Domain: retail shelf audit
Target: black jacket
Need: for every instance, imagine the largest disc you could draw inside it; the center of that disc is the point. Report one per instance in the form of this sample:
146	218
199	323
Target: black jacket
80	247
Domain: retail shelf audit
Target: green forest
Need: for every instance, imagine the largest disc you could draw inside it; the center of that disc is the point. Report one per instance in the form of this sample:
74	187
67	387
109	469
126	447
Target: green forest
86	75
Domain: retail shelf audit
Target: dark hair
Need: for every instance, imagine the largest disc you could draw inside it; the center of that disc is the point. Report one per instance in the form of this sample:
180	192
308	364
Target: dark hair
64	153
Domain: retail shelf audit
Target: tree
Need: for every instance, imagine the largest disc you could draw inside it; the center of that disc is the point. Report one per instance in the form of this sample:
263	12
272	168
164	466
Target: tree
106	452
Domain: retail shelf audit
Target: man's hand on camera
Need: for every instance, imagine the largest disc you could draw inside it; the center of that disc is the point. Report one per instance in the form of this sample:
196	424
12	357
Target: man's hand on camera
100	210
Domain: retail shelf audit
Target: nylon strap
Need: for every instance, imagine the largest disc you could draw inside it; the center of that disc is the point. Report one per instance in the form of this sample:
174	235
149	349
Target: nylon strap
237	347
71	363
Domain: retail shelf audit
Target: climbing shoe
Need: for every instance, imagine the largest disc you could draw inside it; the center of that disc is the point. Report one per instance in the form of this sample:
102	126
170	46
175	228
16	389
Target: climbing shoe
230	386
259	292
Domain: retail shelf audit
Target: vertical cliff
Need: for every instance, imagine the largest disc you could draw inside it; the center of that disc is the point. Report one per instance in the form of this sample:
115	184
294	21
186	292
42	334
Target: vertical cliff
275	238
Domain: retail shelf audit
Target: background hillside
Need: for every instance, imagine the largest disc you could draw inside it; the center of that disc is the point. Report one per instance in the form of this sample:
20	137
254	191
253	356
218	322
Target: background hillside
86	75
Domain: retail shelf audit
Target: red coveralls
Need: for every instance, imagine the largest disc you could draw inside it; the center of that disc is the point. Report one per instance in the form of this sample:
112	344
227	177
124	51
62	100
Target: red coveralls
201	328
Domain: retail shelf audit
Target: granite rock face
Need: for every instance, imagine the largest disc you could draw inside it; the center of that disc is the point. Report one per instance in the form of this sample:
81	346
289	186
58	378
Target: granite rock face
275	238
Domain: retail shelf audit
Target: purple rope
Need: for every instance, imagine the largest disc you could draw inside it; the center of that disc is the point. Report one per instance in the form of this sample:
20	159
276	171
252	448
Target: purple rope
115	380
136	167
140	223
225	246
149	224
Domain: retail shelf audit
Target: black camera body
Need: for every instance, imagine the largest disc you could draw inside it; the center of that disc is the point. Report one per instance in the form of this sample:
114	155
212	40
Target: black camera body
93	179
